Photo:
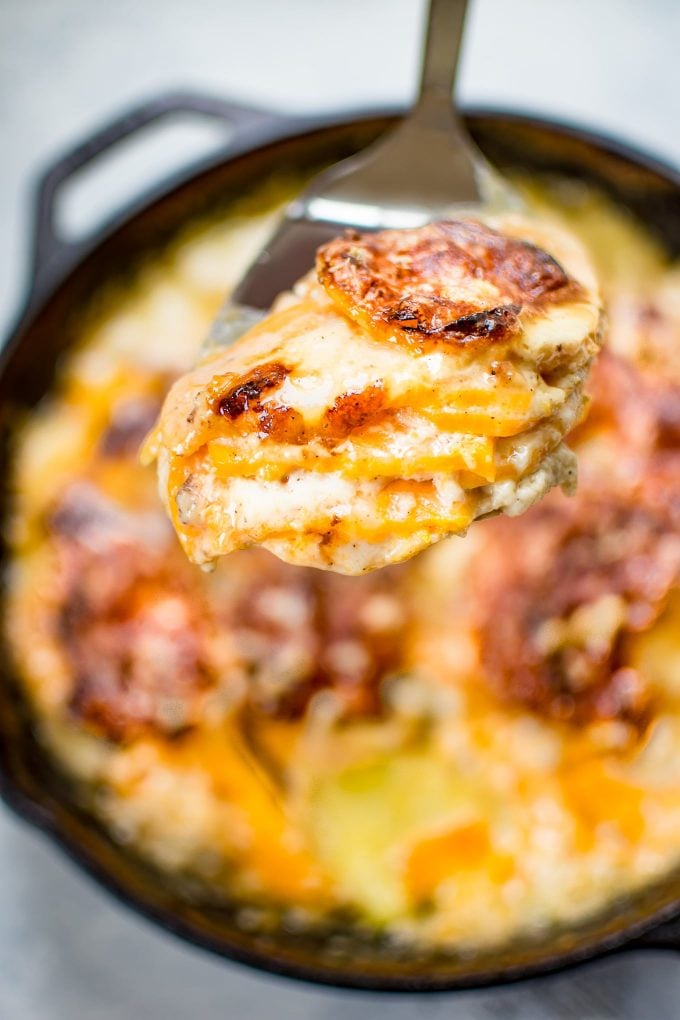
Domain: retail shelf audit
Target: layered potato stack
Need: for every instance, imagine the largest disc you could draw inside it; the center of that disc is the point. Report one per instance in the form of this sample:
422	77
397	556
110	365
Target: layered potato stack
415	381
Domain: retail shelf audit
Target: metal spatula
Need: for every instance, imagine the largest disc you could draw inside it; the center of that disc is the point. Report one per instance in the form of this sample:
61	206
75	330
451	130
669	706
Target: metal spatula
426	168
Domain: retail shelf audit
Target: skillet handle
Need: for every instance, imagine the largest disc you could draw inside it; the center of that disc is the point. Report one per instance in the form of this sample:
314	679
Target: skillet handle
52	254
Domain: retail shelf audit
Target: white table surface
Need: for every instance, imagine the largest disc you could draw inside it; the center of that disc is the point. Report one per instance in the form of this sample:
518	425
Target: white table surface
66	950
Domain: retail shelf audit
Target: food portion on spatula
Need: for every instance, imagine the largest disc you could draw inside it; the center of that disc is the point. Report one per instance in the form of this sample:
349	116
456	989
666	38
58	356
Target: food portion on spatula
379	389
414	381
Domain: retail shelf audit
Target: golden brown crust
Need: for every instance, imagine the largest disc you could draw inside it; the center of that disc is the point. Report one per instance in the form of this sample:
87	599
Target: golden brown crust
128	619
147	638
562	559
240	401
618	539
351	412
245	394
242	406
408	282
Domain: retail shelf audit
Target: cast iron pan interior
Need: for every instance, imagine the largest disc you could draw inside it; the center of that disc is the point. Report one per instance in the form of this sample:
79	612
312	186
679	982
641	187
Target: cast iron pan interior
65	280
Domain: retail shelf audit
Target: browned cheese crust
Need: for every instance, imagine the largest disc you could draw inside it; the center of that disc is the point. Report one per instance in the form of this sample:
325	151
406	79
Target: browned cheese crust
150	641
619	538
129	618
245	408
408	282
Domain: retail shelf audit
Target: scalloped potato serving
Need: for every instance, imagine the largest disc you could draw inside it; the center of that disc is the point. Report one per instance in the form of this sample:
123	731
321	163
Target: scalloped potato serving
417	380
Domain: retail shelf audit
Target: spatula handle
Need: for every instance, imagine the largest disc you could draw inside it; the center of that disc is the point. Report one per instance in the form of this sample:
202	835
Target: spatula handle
441	52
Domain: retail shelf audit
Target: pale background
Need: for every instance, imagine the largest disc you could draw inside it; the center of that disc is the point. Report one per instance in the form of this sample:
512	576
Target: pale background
66	950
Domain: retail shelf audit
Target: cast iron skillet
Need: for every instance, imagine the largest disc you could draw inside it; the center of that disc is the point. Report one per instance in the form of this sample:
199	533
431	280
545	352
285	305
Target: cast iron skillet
64	278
